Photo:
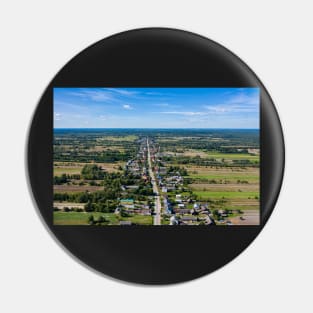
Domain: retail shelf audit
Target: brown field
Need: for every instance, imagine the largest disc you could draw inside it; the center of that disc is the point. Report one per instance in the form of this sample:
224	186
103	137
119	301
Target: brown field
61	205
70	168
212	170
104	148
130	138
193	153
248	202
251	217
75	188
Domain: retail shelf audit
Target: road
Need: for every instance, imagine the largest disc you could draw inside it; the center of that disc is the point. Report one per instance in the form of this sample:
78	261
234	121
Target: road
157	210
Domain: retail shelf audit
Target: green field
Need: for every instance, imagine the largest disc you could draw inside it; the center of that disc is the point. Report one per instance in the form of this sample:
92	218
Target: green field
233	156
226	194
228	176
140	219
80	218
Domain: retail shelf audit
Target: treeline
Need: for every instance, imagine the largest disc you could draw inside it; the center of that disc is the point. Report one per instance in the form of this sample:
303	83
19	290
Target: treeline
64	178
92	171
106	207
100	196
110	156
212	181
197	160
177	169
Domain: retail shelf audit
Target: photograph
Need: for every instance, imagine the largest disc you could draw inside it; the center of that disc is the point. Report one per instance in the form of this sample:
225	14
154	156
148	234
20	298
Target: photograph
156	156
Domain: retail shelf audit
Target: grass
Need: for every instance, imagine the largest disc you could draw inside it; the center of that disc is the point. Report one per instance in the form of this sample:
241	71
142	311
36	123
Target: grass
140	219
233	156
81	218
224	187
228	177
226	194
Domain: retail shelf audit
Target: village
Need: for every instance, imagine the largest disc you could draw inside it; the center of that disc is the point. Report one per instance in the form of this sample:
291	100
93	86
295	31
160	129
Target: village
172	201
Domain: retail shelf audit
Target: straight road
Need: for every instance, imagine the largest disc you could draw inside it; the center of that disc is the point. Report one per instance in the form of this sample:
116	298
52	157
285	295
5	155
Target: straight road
157	211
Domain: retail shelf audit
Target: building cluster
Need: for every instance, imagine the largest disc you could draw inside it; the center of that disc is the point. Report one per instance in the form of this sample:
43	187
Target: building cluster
178	207
138	167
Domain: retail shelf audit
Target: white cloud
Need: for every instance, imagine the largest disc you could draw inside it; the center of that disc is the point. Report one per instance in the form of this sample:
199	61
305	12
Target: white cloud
240	102
95	95
57	116
122	91
127	107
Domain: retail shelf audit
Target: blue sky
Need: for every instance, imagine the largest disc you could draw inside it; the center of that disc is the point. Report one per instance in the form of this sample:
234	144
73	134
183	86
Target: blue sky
156	108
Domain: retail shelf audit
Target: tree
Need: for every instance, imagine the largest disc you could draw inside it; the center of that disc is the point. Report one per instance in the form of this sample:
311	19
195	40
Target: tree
89	207
92	171
91	220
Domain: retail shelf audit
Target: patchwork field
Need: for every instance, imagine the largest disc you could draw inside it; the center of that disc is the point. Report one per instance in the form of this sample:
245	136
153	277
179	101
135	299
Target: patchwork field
237	187
71	168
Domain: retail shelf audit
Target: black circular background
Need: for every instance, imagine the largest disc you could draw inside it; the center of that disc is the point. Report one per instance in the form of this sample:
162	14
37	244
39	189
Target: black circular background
154	57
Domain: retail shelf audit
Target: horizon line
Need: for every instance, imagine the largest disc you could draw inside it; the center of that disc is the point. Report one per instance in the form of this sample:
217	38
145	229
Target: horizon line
55	128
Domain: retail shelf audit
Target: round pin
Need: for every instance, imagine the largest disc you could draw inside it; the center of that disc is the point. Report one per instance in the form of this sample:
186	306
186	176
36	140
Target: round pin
155	156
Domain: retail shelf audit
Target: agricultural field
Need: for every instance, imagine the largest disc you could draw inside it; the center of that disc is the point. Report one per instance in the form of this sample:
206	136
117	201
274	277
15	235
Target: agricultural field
76	168
113	177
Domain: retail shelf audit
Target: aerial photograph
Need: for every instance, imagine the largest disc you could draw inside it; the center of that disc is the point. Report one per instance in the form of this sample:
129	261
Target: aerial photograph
156	156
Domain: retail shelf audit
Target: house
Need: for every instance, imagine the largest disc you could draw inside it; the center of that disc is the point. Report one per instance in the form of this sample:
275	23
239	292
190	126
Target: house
170	188
182	211
127	201
174	220
162	170
209	221
125	223
188	219
132	187
144	212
